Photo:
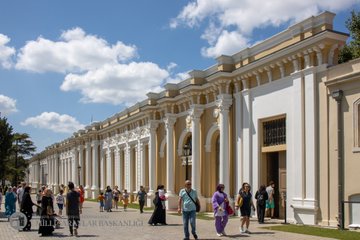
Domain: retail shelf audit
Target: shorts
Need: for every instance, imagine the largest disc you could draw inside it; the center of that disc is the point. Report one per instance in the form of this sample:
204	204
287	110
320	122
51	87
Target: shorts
60	206
245	211
101	204
270	204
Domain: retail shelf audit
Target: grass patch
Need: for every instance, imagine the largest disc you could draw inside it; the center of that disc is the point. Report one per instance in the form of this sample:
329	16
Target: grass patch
317	231
130	205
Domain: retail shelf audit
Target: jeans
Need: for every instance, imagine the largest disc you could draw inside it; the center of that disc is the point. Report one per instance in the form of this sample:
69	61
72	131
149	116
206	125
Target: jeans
189	215
141	203
73	223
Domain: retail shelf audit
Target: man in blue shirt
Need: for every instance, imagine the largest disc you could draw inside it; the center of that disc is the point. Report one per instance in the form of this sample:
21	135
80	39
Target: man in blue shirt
187	199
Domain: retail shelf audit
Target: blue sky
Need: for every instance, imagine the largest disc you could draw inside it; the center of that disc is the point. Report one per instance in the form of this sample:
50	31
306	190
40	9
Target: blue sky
63	63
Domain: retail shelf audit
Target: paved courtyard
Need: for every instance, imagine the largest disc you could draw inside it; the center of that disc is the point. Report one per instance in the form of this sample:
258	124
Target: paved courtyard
133	225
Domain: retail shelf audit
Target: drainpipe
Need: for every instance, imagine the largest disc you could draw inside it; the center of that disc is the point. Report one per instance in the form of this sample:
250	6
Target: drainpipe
337	95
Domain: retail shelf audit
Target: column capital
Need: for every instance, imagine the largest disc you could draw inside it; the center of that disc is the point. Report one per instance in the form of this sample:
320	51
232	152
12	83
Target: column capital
169	120
224	101
196	111
153	125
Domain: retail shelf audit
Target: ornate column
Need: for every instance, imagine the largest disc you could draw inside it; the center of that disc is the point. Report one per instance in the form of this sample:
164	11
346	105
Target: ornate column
127	167
109	167
152	155
142	157
195	113
138	164
169	126
223	103
56	173
75	164
95	169
68	172
88	170
117	167
81	163
238	135
102	170
171	203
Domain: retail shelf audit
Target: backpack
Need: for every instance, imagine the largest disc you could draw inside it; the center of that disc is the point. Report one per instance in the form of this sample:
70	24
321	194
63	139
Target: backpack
261	199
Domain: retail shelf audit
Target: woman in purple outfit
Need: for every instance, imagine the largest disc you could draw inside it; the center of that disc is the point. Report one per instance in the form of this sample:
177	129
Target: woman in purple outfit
220	202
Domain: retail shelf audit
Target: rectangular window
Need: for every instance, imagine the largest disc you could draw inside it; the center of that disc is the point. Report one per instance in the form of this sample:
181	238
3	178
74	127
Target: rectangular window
274	132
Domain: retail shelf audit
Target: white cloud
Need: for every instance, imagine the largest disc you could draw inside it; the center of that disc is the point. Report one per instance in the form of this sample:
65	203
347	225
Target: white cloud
100	72
54	122
7	105
230	23
74	52
117	83
227	43
6	52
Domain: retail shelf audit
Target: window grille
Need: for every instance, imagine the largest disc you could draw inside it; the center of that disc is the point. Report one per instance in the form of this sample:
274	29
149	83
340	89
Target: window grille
274	132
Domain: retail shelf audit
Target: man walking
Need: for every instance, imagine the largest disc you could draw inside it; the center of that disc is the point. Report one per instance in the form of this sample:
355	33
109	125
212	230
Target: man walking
73	209
187	199
270	203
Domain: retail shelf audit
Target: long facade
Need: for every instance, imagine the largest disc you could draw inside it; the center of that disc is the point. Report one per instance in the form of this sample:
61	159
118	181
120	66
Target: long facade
264	113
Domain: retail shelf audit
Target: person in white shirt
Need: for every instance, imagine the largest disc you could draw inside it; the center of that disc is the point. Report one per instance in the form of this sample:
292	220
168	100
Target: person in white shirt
270	203
20	192
60	201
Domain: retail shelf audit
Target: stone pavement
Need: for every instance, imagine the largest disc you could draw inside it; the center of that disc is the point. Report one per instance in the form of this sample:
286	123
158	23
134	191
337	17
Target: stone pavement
133	225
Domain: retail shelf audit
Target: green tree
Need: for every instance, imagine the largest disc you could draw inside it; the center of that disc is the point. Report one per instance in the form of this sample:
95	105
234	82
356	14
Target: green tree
6	137
352	50
22	147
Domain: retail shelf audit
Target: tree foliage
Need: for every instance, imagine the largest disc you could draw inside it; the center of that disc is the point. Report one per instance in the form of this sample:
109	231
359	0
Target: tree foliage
352	50
14	149
6	136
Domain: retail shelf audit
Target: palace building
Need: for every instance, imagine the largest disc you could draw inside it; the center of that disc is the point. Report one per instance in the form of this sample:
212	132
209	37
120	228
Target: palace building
281	110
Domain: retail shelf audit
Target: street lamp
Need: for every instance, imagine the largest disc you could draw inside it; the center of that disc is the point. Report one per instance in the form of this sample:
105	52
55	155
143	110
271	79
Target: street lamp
186	152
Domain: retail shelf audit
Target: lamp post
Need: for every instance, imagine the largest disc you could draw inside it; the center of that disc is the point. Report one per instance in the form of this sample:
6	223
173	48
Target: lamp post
186	152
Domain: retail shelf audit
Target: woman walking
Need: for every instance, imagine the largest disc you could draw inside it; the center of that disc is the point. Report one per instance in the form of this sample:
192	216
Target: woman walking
220	204
159	214
244	199
82	197
108	199
116	196
47	214
261	196
10	202
26	207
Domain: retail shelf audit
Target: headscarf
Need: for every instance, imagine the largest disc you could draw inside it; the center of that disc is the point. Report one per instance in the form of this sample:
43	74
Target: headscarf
220	187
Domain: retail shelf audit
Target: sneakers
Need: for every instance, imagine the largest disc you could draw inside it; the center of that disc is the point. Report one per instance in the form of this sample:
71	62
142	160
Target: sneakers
75	232
196	236
242	230
223	233
219	234
247	231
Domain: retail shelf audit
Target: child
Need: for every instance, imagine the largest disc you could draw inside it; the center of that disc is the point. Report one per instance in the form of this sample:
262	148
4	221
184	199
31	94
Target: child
162	197
101	199
60	201
125	199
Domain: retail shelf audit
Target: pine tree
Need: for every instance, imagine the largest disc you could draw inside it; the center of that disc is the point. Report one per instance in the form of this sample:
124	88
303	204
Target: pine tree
352	50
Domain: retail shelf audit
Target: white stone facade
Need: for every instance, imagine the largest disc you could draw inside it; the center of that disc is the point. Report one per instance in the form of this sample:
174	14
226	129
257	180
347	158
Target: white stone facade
222	109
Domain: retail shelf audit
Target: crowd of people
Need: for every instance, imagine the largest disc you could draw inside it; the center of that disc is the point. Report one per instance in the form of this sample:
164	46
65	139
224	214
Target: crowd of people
188	204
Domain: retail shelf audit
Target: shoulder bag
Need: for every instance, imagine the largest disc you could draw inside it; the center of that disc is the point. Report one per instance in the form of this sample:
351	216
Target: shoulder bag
196	204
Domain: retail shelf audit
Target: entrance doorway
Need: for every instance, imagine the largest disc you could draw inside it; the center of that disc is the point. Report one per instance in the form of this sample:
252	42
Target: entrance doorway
276	171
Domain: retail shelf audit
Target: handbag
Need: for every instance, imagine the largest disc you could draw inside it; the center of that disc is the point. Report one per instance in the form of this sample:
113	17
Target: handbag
241	201
196	204
229	210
